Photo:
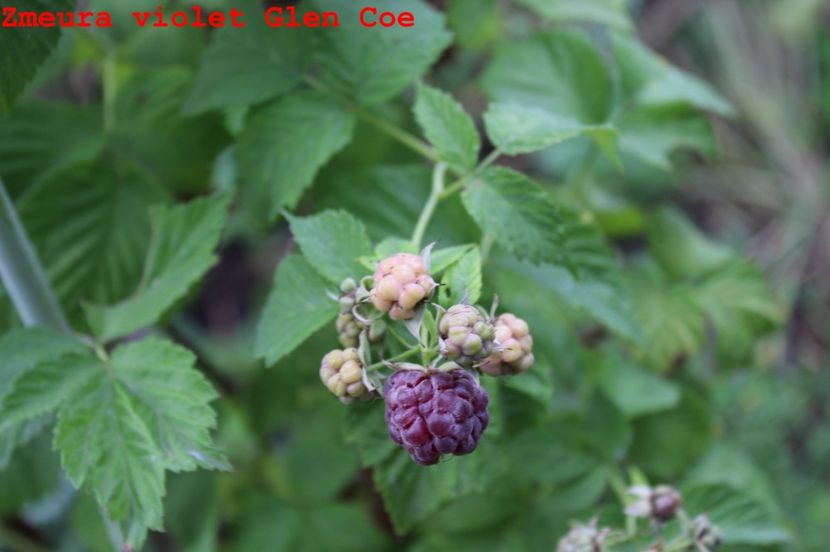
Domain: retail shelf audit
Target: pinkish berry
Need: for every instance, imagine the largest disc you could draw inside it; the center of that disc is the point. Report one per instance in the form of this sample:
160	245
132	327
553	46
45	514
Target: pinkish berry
513	351
342	373
401	284
430	414
466	335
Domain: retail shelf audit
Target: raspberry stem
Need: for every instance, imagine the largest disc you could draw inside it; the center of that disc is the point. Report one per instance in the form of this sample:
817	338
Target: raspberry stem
438	175
403	356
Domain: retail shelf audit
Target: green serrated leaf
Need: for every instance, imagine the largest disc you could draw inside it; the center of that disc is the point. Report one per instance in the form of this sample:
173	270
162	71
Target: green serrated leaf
390	246
141	412
448	128
296	308
20	351
40	140
283	146
671	323
463	279
91	227
173	399
46	386
516	212
23	49
613	13
332	241
181	251
106	447
633	390
651	134
523	283
375	64
249	65
558	71
650	80
441	259
741	518
517	129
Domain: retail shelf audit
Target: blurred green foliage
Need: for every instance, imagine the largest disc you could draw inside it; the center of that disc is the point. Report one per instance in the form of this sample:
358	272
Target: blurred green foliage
664	244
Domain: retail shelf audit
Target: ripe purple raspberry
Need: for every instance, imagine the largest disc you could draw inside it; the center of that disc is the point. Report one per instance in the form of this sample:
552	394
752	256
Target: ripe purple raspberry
514	347
435	413
401	283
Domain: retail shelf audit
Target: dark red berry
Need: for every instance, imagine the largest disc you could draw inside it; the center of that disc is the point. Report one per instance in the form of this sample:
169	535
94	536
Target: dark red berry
665	502
430	414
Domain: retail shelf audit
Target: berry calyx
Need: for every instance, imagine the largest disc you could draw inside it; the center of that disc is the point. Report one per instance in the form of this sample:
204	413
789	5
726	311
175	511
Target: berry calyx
466	336
584	538
401	283
430	414
513	351
660	503
342	373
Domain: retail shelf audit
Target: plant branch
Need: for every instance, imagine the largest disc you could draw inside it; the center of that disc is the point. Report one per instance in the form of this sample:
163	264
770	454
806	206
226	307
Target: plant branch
403	356
461	182
438	175
22	274
412	142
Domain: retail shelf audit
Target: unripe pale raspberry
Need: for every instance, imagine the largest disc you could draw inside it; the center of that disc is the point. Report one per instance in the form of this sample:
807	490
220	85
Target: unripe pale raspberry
466	335
435	413
513	351
342	374
348	329
401	283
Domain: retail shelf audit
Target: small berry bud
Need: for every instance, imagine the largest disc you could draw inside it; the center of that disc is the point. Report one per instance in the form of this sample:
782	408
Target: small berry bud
342	374
401	283
348	285
513	350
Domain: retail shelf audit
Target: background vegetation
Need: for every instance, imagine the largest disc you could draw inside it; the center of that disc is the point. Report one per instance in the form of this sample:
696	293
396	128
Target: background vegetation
672	268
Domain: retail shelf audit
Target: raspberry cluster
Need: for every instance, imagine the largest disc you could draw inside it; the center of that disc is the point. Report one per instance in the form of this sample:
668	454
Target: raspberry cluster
401	283
438	407
430	414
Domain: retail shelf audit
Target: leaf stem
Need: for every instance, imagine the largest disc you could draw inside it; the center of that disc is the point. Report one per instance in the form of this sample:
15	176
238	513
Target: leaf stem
412	142
403	356
109	85
438	175
461	182
22	274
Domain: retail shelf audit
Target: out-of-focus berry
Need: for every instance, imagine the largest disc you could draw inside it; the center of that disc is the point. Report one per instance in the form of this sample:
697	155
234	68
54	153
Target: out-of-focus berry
584	538
660	503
